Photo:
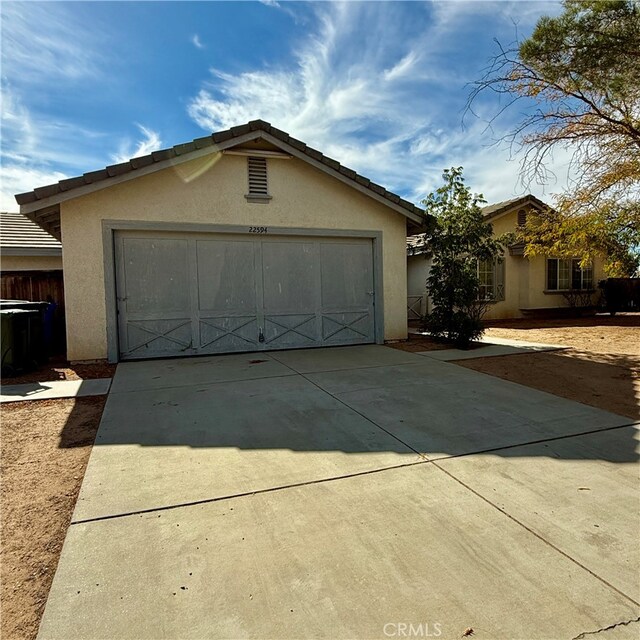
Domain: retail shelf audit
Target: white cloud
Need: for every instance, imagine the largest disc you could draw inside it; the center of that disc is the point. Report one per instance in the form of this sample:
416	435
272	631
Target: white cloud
197	43
18	178
150	142
18	136
333	91
369	88
65	49
403	67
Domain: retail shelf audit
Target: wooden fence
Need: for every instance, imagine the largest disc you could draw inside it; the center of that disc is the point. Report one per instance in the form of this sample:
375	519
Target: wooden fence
38	286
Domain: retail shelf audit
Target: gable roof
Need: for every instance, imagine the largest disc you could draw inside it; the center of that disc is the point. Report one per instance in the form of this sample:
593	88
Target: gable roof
42	205
19	236
494	210
415	245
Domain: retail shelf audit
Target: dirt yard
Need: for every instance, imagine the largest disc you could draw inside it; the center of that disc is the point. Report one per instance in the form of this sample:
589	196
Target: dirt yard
609	382
43	454
59	369
601	369
599	334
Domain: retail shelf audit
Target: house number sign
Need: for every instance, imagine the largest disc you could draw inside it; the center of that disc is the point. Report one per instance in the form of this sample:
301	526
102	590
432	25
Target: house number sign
258	230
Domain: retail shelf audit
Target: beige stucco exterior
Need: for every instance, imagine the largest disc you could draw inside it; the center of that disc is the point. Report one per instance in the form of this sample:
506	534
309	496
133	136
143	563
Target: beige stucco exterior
524	278
30	263
417	273
211	190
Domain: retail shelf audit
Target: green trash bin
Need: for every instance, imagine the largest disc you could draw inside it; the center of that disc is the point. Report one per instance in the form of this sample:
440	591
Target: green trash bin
22	340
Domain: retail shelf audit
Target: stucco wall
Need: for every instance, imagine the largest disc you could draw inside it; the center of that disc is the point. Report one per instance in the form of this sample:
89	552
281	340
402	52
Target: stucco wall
211	191
417	274
524	279
539	299
30	263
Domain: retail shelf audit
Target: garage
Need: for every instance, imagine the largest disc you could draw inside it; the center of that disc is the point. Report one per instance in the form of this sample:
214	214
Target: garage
243	240
188	294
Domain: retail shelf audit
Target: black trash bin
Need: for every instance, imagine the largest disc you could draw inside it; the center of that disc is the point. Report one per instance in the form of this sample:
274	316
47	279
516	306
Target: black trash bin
22	342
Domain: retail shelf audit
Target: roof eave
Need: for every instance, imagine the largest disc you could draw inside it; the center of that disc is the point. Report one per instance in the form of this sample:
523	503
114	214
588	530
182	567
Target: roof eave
31	251
525	200
416	218
27	207
33	206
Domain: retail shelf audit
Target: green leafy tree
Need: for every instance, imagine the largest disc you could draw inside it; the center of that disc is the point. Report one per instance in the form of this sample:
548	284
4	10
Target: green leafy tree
459	237
579	72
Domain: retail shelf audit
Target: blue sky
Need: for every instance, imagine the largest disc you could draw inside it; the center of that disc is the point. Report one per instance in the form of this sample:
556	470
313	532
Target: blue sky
379	86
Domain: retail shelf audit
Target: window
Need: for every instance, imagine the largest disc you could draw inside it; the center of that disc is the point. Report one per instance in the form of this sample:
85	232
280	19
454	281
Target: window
491	276
258	186
567	275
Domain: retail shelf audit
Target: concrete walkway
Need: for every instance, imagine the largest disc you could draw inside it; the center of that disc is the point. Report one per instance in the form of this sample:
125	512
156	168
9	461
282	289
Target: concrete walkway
488	348
54	389
343	493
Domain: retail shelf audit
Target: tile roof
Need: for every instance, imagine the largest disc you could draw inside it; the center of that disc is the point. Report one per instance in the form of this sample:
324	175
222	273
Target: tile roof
20	236
415	245
493	210
60	191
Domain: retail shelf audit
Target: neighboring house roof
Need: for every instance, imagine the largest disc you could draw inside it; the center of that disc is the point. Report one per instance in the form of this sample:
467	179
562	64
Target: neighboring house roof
415	244
42	205
494	210
19	236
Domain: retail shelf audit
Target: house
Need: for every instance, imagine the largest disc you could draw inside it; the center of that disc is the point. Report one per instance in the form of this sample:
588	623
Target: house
516	285
24	246
30	260
244	240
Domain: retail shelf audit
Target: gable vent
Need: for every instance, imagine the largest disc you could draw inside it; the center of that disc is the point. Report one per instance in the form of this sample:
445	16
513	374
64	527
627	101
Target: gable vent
258	187
522	218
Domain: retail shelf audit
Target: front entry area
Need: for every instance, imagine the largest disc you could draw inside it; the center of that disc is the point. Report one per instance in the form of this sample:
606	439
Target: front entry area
191	294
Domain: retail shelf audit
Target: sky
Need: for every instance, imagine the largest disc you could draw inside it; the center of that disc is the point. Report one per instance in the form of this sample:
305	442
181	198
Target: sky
379	86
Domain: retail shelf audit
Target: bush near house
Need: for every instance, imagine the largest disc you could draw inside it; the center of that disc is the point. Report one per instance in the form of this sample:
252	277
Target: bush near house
458	239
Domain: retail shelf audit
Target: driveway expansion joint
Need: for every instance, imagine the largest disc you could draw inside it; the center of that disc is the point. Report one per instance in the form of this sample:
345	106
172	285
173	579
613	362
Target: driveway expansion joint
246	494
584	634
375	424
567	436
201	384
540	537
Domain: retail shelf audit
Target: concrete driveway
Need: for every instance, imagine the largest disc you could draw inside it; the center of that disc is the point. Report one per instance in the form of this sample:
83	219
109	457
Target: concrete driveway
355	492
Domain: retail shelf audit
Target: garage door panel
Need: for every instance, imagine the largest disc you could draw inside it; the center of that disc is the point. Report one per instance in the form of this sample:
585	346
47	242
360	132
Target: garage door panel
228	334
346	328
347	276
156	274
155	338
226	277
290	277
347	293
291	330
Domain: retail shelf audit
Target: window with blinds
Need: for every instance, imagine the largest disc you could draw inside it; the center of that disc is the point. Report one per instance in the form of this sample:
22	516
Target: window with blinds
568	275
258	184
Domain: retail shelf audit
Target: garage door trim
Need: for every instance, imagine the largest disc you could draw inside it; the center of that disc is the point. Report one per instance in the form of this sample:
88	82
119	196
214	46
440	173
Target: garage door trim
110	227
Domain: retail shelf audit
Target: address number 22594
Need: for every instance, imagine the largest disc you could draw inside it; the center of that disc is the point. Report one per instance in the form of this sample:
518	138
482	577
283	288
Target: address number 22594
258	230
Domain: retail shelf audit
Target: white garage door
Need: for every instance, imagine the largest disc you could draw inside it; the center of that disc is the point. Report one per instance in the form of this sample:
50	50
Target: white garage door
181	294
